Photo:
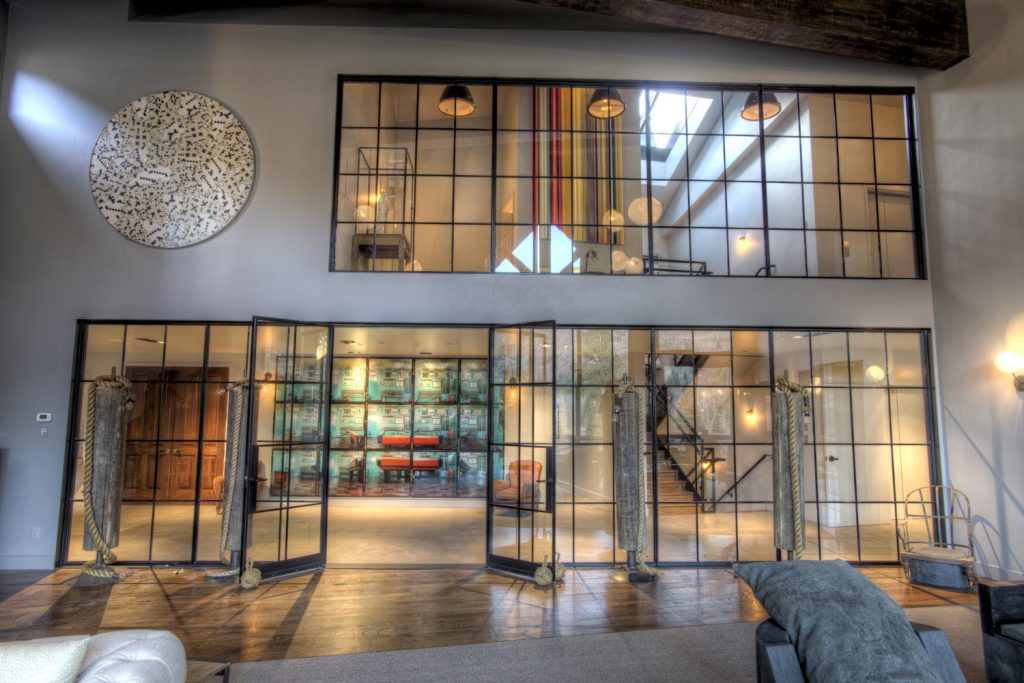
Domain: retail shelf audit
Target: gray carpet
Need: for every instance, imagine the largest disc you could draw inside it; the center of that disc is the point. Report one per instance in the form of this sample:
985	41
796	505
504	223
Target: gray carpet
718	652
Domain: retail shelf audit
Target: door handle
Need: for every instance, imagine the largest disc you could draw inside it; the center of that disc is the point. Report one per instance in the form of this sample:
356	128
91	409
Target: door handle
832	458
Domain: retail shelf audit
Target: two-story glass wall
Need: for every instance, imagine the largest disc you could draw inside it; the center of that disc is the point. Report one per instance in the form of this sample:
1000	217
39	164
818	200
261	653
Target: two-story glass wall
625	179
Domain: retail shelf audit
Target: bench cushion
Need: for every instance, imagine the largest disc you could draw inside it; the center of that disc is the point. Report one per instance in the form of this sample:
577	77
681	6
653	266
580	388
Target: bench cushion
404	464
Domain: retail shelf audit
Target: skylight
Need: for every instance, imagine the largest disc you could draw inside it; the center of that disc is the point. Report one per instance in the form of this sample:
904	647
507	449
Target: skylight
673	112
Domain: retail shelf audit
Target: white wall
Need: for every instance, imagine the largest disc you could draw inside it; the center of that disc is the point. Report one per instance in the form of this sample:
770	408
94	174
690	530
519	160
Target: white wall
71	65
973	154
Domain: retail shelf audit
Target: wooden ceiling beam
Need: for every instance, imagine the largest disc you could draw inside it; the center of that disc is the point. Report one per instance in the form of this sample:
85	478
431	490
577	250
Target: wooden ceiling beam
923	33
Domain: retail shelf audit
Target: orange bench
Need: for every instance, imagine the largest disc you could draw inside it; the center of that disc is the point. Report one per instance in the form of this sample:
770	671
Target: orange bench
405	440
405	467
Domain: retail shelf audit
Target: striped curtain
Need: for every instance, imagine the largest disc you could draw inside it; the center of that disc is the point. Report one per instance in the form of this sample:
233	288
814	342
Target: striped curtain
575	184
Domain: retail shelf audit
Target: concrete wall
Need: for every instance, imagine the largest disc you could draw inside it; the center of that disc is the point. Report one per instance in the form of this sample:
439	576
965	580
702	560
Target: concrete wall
71	65
3	37
973	154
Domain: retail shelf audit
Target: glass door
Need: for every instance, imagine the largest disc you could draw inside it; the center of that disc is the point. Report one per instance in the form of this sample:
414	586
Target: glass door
289	392
520	489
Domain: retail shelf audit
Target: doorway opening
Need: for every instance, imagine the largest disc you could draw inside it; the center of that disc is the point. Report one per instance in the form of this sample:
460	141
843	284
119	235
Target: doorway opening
407	420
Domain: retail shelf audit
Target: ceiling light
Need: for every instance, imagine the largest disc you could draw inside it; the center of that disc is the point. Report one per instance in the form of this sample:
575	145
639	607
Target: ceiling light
875	373
149	340
637	210
769	105
364	213
606	103
456	100
613	218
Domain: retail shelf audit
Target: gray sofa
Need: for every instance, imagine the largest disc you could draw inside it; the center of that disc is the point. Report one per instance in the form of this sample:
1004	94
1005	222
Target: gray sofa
1002	628
777	660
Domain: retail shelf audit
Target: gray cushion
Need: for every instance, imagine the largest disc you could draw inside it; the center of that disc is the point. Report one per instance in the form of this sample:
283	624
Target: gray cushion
844	627
1015	631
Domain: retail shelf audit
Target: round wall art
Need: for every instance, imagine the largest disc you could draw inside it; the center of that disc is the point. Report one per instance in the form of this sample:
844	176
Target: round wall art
172	169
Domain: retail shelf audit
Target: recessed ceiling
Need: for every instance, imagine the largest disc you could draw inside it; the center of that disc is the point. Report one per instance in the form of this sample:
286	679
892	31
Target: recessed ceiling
459	342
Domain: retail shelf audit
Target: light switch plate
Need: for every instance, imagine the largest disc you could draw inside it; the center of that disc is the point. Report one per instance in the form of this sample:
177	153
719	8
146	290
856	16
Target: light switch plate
44	417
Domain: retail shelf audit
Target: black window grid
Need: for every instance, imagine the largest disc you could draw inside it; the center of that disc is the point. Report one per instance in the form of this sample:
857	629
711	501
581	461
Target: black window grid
879	269
814	442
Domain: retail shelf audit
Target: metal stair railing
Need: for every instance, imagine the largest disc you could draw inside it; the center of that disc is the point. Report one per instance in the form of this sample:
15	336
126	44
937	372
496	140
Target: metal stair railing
693	480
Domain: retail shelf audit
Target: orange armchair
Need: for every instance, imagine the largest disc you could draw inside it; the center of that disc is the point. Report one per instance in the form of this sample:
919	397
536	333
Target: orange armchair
520	482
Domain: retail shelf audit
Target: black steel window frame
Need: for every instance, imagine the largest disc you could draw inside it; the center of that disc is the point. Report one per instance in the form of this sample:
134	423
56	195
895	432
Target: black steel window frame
927	386
75	408
911	140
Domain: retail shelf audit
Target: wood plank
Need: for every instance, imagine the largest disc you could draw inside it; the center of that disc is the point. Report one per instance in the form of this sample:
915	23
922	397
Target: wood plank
923	33
340	611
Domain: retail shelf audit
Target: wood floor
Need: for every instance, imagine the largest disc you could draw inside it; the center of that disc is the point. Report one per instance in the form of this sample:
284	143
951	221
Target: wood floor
343	610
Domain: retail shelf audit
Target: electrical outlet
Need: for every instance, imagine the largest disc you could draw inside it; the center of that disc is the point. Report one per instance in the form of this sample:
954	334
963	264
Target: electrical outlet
35	532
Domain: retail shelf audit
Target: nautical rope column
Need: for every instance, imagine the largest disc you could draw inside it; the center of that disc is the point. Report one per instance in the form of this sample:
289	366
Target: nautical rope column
109	400
234	483
787	422
628	428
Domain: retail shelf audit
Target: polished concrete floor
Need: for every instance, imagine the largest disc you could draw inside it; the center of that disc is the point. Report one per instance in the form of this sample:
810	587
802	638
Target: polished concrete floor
340	611
390	533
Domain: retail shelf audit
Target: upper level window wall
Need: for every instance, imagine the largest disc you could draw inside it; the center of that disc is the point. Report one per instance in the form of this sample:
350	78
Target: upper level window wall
625	179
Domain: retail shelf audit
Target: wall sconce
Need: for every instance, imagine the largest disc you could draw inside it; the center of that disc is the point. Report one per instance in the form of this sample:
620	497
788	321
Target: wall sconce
751	415
1010	363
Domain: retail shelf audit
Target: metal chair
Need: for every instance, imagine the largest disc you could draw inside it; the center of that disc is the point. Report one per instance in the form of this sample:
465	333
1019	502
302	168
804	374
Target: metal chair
936	538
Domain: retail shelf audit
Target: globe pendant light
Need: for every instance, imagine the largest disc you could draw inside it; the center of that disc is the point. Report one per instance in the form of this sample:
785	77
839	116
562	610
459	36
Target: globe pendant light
606	103
770	105
456	100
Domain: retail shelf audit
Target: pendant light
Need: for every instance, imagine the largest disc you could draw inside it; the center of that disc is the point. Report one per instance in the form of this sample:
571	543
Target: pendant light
606	103
770	105
456	100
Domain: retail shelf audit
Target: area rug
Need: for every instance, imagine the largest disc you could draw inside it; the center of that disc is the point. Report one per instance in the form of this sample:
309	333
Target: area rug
714	652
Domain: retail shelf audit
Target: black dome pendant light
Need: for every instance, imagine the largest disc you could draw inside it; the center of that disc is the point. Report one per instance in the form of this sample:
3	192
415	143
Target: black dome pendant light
456	100
770	106
606	103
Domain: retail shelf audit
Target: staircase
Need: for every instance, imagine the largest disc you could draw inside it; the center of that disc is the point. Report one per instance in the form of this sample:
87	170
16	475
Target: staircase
682	459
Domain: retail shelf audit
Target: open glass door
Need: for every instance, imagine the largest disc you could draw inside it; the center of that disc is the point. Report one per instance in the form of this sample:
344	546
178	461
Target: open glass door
520	490
286	501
